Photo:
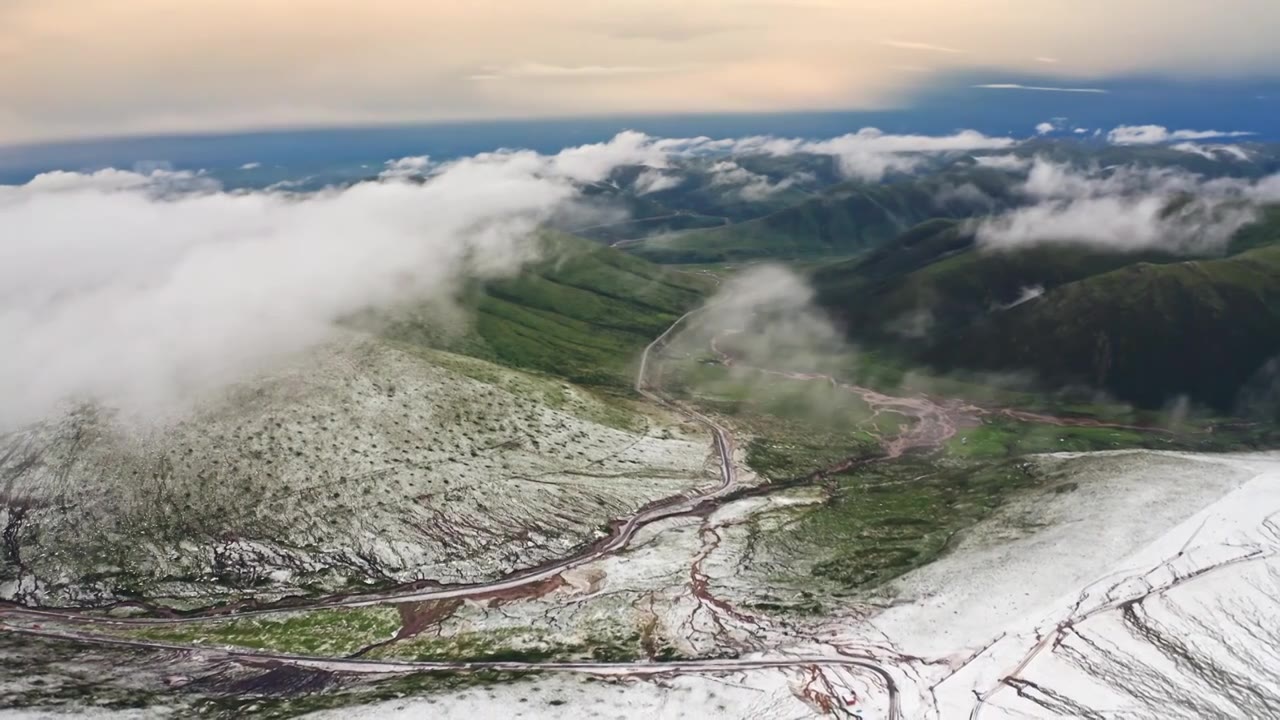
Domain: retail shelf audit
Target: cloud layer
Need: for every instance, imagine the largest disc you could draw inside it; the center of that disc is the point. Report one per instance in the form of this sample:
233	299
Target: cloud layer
869	153
1156	134
143	291
1039	88
1127	209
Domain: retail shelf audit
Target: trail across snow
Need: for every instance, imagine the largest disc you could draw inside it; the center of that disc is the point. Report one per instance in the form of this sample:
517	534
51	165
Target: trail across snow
998	611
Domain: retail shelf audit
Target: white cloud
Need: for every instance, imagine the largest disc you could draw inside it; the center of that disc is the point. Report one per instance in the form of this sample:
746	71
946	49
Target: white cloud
1127	209
144	291
866	155
968	196
1045	128
110	180
926	47
1027	294
748	185
1155	134
1234	151
405	167
1047	60
535	70
593	163
869	153
251	166
1212	152
1012	163
1038	88
652	181
1080	131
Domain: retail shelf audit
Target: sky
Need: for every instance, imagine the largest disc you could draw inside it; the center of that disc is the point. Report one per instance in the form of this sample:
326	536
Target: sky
91	68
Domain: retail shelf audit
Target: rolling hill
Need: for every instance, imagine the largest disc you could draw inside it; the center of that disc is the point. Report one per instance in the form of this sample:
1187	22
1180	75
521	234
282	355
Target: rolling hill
846	219
1145	332
584	313
934	277
378	458
1146	328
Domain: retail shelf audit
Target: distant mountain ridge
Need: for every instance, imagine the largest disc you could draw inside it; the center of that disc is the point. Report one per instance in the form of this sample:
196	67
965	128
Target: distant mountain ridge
1146	327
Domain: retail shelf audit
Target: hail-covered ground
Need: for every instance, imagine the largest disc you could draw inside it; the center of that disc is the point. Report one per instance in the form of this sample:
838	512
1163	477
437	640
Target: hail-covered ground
362	464
1131	584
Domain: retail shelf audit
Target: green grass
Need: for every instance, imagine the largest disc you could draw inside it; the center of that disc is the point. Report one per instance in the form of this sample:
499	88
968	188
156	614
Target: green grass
335	632
795	426
584	314
341	632
1010	438
846	218
1147	333
422	684
1145	327
517	645
609	410
886	519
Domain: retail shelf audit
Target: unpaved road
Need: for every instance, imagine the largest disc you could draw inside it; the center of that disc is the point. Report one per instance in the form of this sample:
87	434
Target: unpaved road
620	536
934	425
28	621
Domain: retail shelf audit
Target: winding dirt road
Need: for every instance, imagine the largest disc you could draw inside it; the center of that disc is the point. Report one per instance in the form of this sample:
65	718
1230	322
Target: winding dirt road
934	424
621	534
28	621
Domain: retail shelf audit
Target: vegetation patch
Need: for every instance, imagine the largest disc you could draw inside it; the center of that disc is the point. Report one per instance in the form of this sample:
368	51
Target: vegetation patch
584	314
516	645
394	688
334	633
1010	438
796	426
886	519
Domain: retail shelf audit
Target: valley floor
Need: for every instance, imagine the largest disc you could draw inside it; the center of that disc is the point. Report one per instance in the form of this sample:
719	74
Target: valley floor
1103	584
1147	592
1143	591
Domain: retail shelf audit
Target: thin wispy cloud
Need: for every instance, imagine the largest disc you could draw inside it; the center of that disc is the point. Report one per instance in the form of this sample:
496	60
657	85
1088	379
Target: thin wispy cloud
1156	134
750	186
652	181
870	154
1038	88
1127	208
924	47
1212	152
141	292
664	29
534	70
1010	163
408	61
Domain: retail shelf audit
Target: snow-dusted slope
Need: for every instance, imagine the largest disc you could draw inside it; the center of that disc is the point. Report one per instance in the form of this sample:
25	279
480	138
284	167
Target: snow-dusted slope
1146	592
363	462
1135	585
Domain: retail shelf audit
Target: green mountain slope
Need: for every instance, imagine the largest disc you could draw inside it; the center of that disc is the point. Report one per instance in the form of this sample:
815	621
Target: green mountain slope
583	313
1144	327
846	219
1145	332
933	278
